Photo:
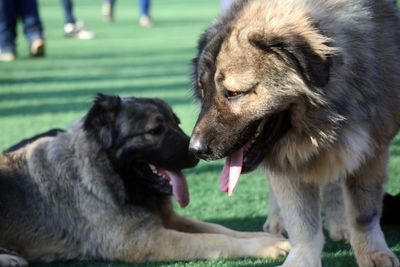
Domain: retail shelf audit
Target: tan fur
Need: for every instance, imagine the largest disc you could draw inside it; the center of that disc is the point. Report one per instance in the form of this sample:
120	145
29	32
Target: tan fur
71	188
334	67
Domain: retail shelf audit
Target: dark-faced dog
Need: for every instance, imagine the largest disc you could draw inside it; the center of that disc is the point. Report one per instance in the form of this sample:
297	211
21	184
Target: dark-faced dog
310	91
101	190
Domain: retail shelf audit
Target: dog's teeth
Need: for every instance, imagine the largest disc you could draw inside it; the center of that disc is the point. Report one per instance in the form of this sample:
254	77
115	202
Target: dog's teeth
153	168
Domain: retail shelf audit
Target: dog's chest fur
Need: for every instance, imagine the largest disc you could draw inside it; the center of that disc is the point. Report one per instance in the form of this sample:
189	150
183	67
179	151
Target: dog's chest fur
307	160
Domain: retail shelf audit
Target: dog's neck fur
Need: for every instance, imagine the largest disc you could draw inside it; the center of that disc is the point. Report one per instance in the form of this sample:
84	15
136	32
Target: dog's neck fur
93	170
122	185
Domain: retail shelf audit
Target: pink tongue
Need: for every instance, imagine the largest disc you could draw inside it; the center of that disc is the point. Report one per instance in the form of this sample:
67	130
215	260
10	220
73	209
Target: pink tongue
231	172
180	188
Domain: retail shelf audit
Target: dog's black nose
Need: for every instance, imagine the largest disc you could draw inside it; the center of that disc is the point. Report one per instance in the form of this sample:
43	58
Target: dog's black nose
200	149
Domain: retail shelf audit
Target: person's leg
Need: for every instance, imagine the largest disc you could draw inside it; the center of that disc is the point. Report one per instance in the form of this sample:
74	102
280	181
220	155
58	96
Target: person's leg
144	6
144	9
72	27
108	10
29	12
68	11
8	23
33	29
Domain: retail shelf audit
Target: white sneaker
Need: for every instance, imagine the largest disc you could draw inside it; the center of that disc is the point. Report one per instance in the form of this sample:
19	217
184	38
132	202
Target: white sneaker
7	56
145	21
77	30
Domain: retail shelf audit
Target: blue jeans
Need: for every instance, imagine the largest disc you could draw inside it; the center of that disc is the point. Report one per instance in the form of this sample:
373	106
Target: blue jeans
144	6
68	11
10	11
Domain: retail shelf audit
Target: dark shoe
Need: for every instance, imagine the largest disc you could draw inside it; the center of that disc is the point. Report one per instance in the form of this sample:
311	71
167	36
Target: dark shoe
36	48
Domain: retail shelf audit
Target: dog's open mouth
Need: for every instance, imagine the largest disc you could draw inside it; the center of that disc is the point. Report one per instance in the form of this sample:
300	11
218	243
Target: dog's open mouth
172	182
248	157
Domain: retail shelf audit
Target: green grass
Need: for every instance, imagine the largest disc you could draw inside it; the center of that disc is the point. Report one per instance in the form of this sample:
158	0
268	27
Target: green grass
38	94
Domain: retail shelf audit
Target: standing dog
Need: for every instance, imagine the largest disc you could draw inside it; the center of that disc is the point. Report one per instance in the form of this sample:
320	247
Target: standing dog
101	190
309	89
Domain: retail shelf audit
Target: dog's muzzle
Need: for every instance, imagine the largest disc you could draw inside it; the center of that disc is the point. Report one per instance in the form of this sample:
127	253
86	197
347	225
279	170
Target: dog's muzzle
199	147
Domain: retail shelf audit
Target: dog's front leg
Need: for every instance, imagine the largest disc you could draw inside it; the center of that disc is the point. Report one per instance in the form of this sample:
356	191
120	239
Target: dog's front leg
299	205
363	202
169	245
274	222
333	204
188	225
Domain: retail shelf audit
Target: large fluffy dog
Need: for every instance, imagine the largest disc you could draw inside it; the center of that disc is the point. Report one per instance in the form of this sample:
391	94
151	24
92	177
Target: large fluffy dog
311	90
101	190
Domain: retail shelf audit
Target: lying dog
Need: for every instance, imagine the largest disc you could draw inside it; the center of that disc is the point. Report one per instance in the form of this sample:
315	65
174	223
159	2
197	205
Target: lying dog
101	190
309	89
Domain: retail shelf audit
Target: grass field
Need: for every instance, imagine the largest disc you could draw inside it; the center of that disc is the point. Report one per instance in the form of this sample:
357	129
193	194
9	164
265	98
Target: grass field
38	94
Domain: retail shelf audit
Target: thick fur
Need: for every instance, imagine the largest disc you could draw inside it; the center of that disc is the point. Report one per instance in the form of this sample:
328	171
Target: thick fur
22	143
327	73
87	193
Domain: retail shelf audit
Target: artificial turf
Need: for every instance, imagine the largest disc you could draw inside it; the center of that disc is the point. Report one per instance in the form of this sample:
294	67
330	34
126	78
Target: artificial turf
124	59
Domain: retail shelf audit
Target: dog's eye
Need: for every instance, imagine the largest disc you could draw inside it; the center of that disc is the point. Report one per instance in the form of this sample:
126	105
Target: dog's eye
156	130
233	94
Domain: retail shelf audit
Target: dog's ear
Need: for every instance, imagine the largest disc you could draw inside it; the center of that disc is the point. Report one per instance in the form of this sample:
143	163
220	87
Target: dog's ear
313	67
100	119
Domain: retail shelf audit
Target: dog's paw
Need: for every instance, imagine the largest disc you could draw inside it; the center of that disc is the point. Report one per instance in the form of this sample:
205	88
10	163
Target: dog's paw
7	260
275	249
274	225
379	258
268	246
337	229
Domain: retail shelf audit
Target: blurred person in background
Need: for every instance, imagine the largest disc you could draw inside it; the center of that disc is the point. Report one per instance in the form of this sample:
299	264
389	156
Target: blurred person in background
27	11
72	27
144	8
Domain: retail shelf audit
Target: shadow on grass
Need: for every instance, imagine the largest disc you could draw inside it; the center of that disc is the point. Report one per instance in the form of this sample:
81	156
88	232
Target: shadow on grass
103	63
90	92
335	253
141	55
89	78
174	23
81	106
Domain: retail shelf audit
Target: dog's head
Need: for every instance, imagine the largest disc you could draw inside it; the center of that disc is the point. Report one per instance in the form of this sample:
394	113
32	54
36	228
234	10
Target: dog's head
144	142
258	66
